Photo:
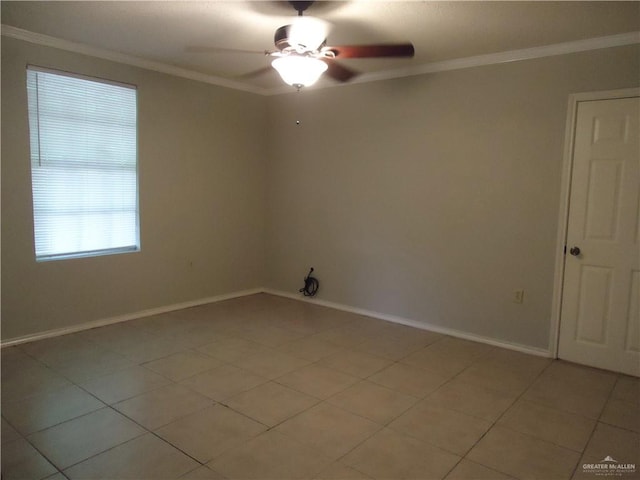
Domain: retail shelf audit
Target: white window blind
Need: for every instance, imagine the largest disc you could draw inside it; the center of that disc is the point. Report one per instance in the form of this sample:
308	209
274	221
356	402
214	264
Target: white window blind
83	165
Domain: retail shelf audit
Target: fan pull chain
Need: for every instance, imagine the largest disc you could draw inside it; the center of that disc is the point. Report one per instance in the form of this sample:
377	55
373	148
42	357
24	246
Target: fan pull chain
297	107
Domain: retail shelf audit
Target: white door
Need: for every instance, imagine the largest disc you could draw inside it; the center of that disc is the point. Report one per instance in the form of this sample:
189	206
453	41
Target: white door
600	319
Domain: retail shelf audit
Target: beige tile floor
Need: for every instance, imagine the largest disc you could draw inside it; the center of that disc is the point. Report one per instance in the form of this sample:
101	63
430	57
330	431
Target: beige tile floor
263	387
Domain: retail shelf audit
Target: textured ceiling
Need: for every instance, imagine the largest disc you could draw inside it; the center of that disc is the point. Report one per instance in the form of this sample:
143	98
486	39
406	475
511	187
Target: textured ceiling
162	30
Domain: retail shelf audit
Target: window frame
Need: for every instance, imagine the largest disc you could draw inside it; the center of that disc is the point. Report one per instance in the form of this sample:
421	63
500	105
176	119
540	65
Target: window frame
136	247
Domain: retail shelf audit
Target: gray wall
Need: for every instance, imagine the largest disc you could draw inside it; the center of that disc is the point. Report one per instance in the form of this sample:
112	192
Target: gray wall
202	187
434	197
430	198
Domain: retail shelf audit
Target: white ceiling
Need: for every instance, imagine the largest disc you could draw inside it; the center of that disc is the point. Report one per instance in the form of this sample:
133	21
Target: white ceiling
160	31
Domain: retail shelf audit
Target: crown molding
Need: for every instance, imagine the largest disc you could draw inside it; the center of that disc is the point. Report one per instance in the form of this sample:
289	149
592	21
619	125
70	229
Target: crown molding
556	49
48	41
619	40
510	56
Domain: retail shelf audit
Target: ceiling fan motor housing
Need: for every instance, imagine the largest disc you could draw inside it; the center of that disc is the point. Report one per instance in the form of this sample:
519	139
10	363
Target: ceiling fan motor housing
283	34
281	37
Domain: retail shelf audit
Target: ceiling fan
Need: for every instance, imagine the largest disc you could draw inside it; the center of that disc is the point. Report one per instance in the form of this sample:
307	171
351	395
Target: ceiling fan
302	54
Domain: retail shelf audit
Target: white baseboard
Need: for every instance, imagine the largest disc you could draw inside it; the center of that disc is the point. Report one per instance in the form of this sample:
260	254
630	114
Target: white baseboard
295	296
413	323
126	317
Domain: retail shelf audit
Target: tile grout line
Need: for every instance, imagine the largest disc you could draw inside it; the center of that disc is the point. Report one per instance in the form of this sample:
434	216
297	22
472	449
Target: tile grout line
609	398
320	401
111	407
494	423
382	427
595	425
462	457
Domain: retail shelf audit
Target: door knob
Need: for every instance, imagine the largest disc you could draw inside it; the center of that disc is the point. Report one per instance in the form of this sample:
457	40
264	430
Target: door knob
575	251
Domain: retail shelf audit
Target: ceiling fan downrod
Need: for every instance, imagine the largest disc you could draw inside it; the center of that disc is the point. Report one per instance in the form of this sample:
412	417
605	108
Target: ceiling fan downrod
300	6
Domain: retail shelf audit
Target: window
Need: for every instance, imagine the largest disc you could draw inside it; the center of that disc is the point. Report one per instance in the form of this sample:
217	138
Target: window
83	165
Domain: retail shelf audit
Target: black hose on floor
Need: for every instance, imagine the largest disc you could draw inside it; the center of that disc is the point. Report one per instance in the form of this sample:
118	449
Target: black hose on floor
311	285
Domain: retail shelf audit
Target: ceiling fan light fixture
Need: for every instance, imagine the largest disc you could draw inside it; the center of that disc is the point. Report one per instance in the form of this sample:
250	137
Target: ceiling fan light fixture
299	71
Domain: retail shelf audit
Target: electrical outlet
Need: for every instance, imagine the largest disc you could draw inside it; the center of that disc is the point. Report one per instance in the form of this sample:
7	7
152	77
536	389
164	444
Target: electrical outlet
518	296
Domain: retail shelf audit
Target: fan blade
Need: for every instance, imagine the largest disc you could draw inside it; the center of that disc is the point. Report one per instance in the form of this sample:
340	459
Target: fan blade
254	73
337	71
204	49
371	51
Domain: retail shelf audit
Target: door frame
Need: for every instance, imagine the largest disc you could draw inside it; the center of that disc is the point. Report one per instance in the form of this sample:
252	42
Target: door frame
565	191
